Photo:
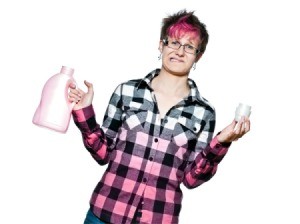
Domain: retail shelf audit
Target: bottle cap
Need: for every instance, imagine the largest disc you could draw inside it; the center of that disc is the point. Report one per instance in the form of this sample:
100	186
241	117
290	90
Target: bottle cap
66	70
242	110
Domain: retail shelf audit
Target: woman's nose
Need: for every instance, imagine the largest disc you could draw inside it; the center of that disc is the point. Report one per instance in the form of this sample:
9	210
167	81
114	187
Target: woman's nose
180	50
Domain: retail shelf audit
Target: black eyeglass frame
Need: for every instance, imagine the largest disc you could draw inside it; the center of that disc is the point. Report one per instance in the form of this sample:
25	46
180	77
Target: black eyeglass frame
166	42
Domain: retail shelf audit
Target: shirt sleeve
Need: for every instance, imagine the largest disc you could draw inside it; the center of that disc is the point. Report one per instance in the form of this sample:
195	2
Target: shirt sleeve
100	141
204	167
208	154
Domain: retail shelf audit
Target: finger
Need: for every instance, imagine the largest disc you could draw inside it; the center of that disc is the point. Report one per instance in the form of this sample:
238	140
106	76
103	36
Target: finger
78	92
89	85
247	125
72	85
233	124
239	126
74	91
230	128
81	92
74	97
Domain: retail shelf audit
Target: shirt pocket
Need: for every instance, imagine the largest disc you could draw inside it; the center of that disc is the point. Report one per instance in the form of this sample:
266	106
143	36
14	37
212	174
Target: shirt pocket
134	119
187	132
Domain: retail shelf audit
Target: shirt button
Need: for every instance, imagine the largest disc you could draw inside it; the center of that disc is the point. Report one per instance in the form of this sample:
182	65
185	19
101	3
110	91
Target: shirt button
151	158
166	120
155	140
144	180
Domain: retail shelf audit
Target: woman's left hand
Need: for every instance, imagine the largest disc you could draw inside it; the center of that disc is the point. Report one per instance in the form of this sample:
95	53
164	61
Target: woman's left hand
234	131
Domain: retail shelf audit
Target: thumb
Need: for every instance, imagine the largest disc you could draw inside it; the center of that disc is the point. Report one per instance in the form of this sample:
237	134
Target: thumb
89	85
232	125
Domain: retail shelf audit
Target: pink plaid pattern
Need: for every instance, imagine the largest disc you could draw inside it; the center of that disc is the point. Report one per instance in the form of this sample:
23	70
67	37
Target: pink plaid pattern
148	158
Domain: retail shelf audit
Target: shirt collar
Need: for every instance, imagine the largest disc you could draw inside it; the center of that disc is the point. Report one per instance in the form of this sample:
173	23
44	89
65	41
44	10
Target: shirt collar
145	82
194	95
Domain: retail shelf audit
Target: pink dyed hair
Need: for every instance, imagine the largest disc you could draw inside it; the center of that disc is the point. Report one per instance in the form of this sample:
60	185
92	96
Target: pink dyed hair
183	22
182	28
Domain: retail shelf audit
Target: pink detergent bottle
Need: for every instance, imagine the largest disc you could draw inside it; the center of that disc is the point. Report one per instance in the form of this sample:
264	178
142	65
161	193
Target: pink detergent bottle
54	110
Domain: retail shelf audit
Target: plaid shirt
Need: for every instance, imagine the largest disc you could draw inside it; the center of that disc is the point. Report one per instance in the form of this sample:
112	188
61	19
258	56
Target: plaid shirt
148	157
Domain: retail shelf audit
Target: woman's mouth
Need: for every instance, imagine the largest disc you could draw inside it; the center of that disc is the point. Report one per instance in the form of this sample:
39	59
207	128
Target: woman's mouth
175	60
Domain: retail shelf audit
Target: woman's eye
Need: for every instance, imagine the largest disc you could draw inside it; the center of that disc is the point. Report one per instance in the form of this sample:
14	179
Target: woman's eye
190	47
174	43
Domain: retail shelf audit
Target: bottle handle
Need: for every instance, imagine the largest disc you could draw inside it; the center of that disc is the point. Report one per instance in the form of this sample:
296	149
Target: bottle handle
70	104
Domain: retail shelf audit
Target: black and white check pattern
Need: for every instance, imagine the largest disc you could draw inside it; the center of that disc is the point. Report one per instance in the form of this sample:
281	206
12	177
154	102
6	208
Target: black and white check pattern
148	157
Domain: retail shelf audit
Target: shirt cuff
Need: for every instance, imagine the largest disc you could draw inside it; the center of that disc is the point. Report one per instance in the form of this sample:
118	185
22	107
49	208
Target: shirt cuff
216	150
85	118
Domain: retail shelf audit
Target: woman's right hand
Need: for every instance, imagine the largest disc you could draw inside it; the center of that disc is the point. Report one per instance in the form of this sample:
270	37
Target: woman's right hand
82	99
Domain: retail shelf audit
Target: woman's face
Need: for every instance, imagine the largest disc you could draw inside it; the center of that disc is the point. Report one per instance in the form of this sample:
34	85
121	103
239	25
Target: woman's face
179	54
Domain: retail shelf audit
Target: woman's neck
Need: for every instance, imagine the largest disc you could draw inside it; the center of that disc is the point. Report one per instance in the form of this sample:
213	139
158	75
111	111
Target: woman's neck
169	84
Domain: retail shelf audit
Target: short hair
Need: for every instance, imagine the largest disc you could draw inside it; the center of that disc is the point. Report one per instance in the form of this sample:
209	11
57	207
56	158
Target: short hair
183	22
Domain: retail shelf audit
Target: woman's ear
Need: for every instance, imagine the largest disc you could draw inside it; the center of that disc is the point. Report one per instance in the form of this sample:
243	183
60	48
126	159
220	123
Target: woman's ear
161	46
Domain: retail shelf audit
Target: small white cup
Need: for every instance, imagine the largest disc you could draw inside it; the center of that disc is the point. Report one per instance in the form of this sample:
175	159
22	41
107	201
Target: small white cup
242	110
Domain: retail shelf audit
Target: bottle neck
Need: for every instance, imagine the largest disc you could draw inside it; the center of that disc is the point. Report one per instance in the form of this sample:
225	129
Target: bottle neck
66	70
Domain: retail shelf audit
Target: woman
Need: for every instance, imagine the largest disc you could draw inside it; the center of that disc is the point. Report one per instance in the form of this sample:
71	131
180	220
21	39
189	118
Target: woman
157	133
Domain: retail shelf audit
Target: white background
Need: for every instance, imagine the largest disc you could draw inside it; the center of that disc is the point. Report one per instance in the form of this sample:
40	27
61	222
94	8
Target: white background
47	177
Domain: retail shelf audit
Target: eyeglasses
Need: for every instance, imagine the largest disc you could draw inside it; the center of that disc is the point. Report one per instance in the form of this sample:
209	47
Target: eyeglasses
176	45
